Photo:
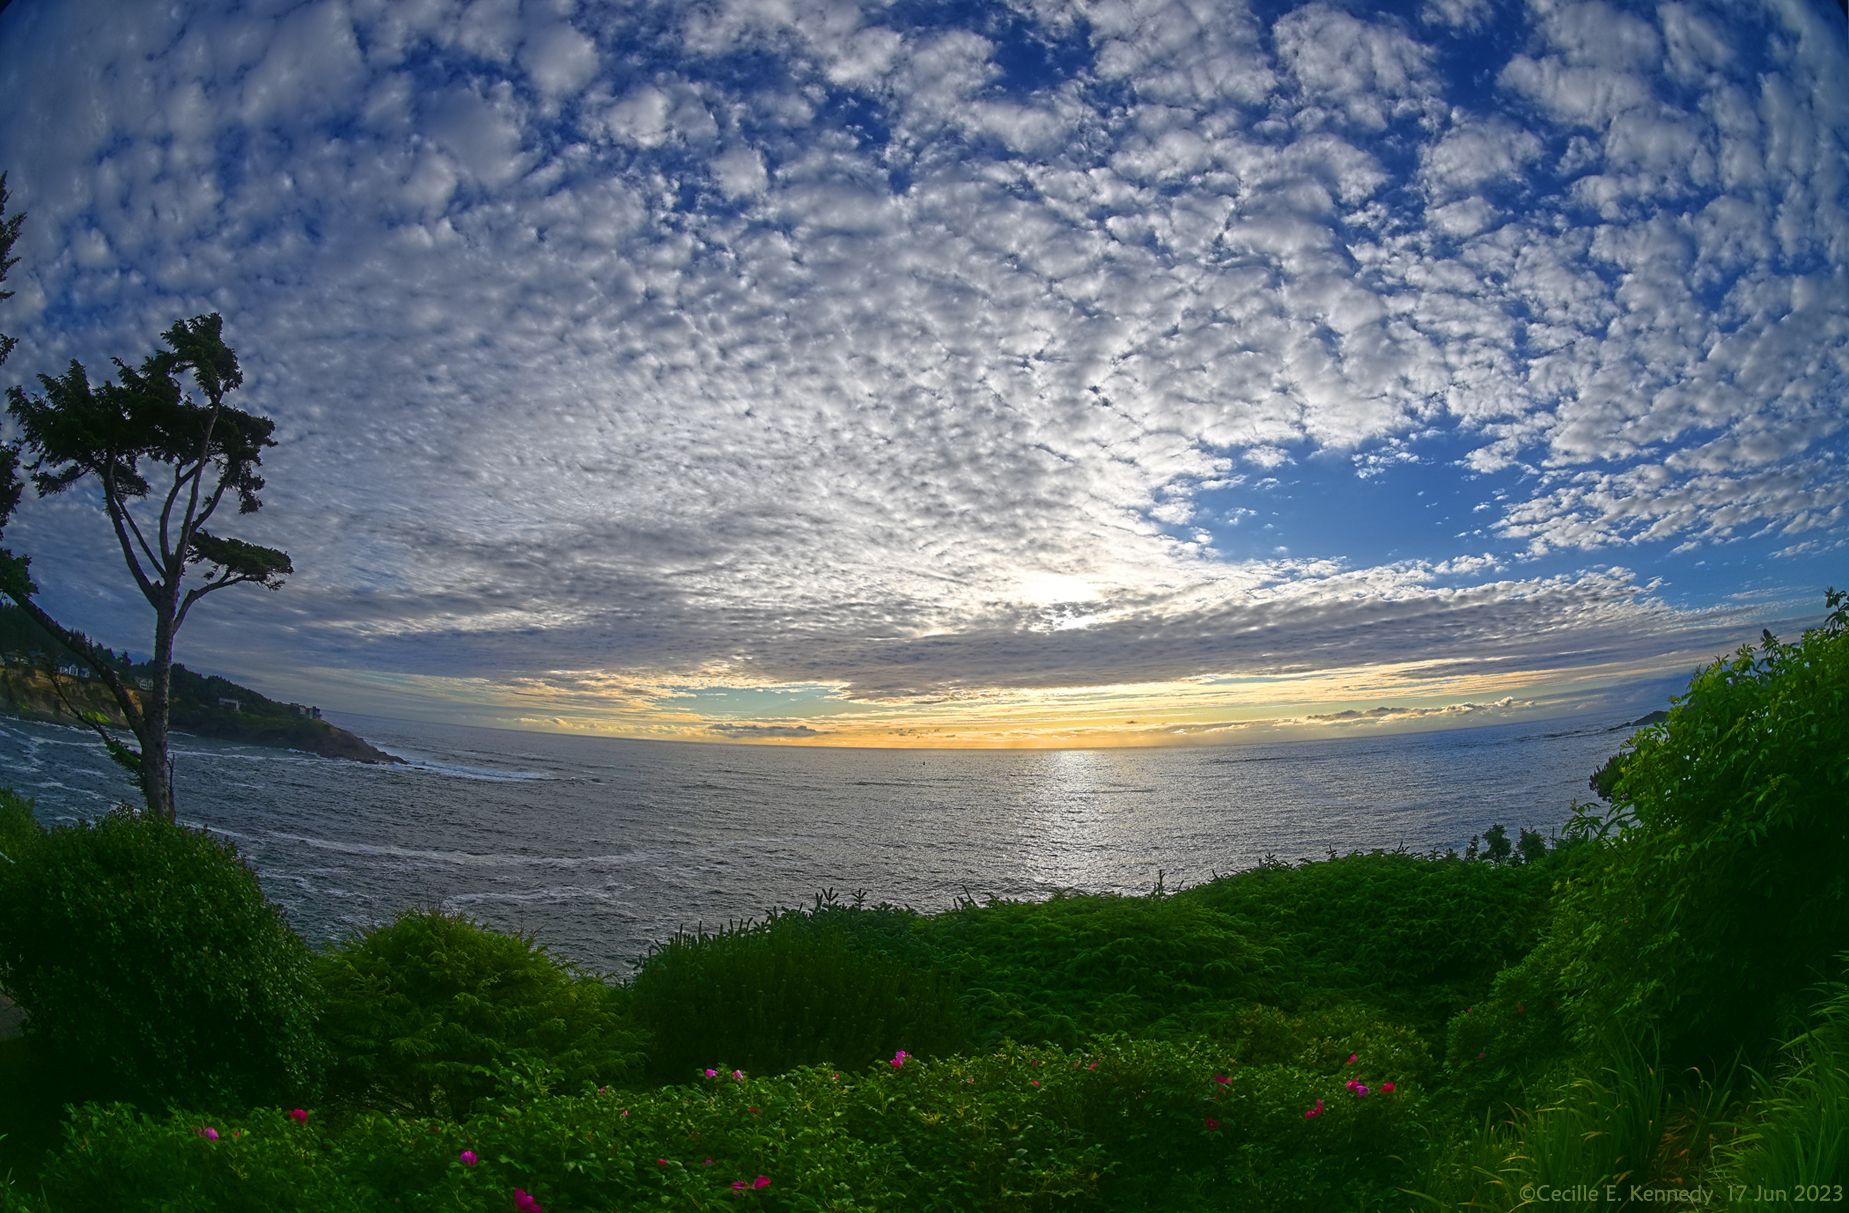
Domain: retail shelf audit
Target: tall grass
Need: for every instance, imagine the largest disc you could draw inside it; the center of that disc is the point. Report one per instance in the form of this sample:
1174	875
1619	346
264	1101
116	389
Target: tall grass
1798	1135
1626	1124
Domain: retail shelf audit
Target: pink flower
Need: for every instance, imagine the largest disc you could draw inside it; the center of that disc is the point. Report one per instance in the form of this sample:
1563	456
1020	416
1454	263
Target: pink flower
207	1132
1092	1066
1221	1079
738	1185
525	1203
1352	1083
299	1115
1360	1091
762	1181
898	1059
1315	1111
1033	1082
625	1111
1386	1088
738	1076
467	1158
711	1073
1351	1058
661	1162
1213	1126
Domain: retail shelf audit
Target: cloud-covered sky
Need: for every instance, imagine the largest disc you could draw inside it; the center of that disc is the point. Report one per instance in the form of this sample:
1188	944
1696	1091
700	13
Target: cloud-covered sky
1112	371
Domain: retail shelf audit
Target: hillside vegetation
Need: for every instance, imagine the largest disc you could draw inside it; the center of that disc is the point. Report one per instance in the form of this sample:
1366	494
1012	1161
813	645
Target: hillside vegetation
1654	1009
40	680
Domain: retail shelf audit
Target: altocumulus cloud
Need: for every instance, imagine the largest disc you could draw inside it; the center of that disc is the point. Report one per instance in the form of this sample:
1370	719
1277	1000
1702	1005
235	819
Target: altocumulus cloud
927	355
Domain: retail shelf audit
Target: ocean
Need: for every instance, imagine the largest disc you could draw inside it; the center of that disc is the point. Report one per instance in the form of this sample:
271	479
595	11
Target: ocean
600	848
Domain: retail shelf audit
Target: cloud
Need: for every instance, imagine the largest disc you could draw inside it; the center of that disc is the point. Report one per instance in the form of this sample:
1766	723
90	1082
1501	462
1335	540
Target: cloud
1449	711
762	732
795	342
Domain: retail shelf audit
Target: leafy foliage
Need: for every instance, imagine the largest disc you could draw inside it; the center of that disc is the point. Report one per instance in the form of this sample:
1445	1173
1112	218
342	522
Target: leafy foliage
1124	1125
1073	967
1413	935
834	984
432	1013
1721	892
151	967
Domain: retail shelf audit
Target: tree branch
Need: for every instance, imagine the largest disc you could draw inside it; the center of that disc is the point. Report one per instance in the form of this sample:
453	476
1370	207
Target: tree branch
124	756
196	593
118	512
173	495
190	521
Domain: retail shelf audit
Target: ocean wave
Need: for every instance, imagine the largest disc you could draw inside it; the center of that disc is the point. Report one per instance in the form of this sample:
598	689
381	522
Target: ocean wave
455	770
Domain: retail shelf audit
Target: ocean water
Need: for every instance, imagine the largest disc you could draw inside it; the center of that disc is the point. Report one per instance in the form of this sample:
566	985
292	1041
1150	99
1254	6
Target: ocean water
601	847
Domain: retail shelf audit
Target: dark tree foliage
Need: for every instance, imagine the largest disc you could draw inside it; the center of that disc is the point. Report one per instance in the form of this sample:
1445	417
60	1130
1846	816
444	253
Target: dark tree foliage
164	451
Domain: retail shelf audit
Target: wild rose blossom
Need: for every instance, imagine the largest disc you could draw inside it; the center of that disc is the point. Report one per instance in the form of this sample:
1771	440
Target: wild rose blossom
525	1203
299	1115
467	1158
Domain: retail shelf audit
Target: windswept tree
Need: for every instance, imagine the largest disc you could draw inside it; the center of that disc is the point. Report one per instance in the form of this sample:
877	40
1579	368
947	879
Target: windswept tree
164	452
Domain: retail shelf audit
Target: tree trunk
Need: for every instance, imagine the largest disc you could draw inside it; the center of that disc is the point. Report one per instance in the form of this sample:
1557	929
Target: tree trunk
155	782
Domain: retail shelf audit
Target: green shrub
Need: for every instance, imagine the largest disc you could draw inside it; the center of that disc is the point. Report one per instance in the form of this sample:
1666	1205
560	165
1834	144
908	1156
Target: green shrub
1720	886
1064	970
1122	1125
1415	936
433	1013
834	985
151	968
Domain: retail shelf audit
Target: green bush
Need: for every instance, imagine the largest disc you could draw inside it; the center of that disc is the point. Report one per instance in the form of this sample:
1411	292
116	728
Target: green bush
1720	888
1064	970
152	969
1122	1125
834	985
433	1013
1415	936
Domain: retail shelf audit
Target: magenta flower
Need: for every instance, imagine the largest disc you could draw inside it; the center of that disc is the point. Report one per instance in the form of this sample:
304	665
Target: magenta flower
207	1132
1315	1111
299	1115
661	1162
711	1073
738	1076
1213	1126
1351	1058
525	1203
762	1181
1386	1088
738	1185
1221	1079
898	1059
467	1158
1033	1082
1360	1090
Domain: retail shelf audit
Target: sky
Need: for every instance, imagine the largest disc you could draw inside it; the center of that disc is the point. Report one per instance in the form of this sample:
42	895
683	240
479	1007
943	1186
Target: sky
1112	372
